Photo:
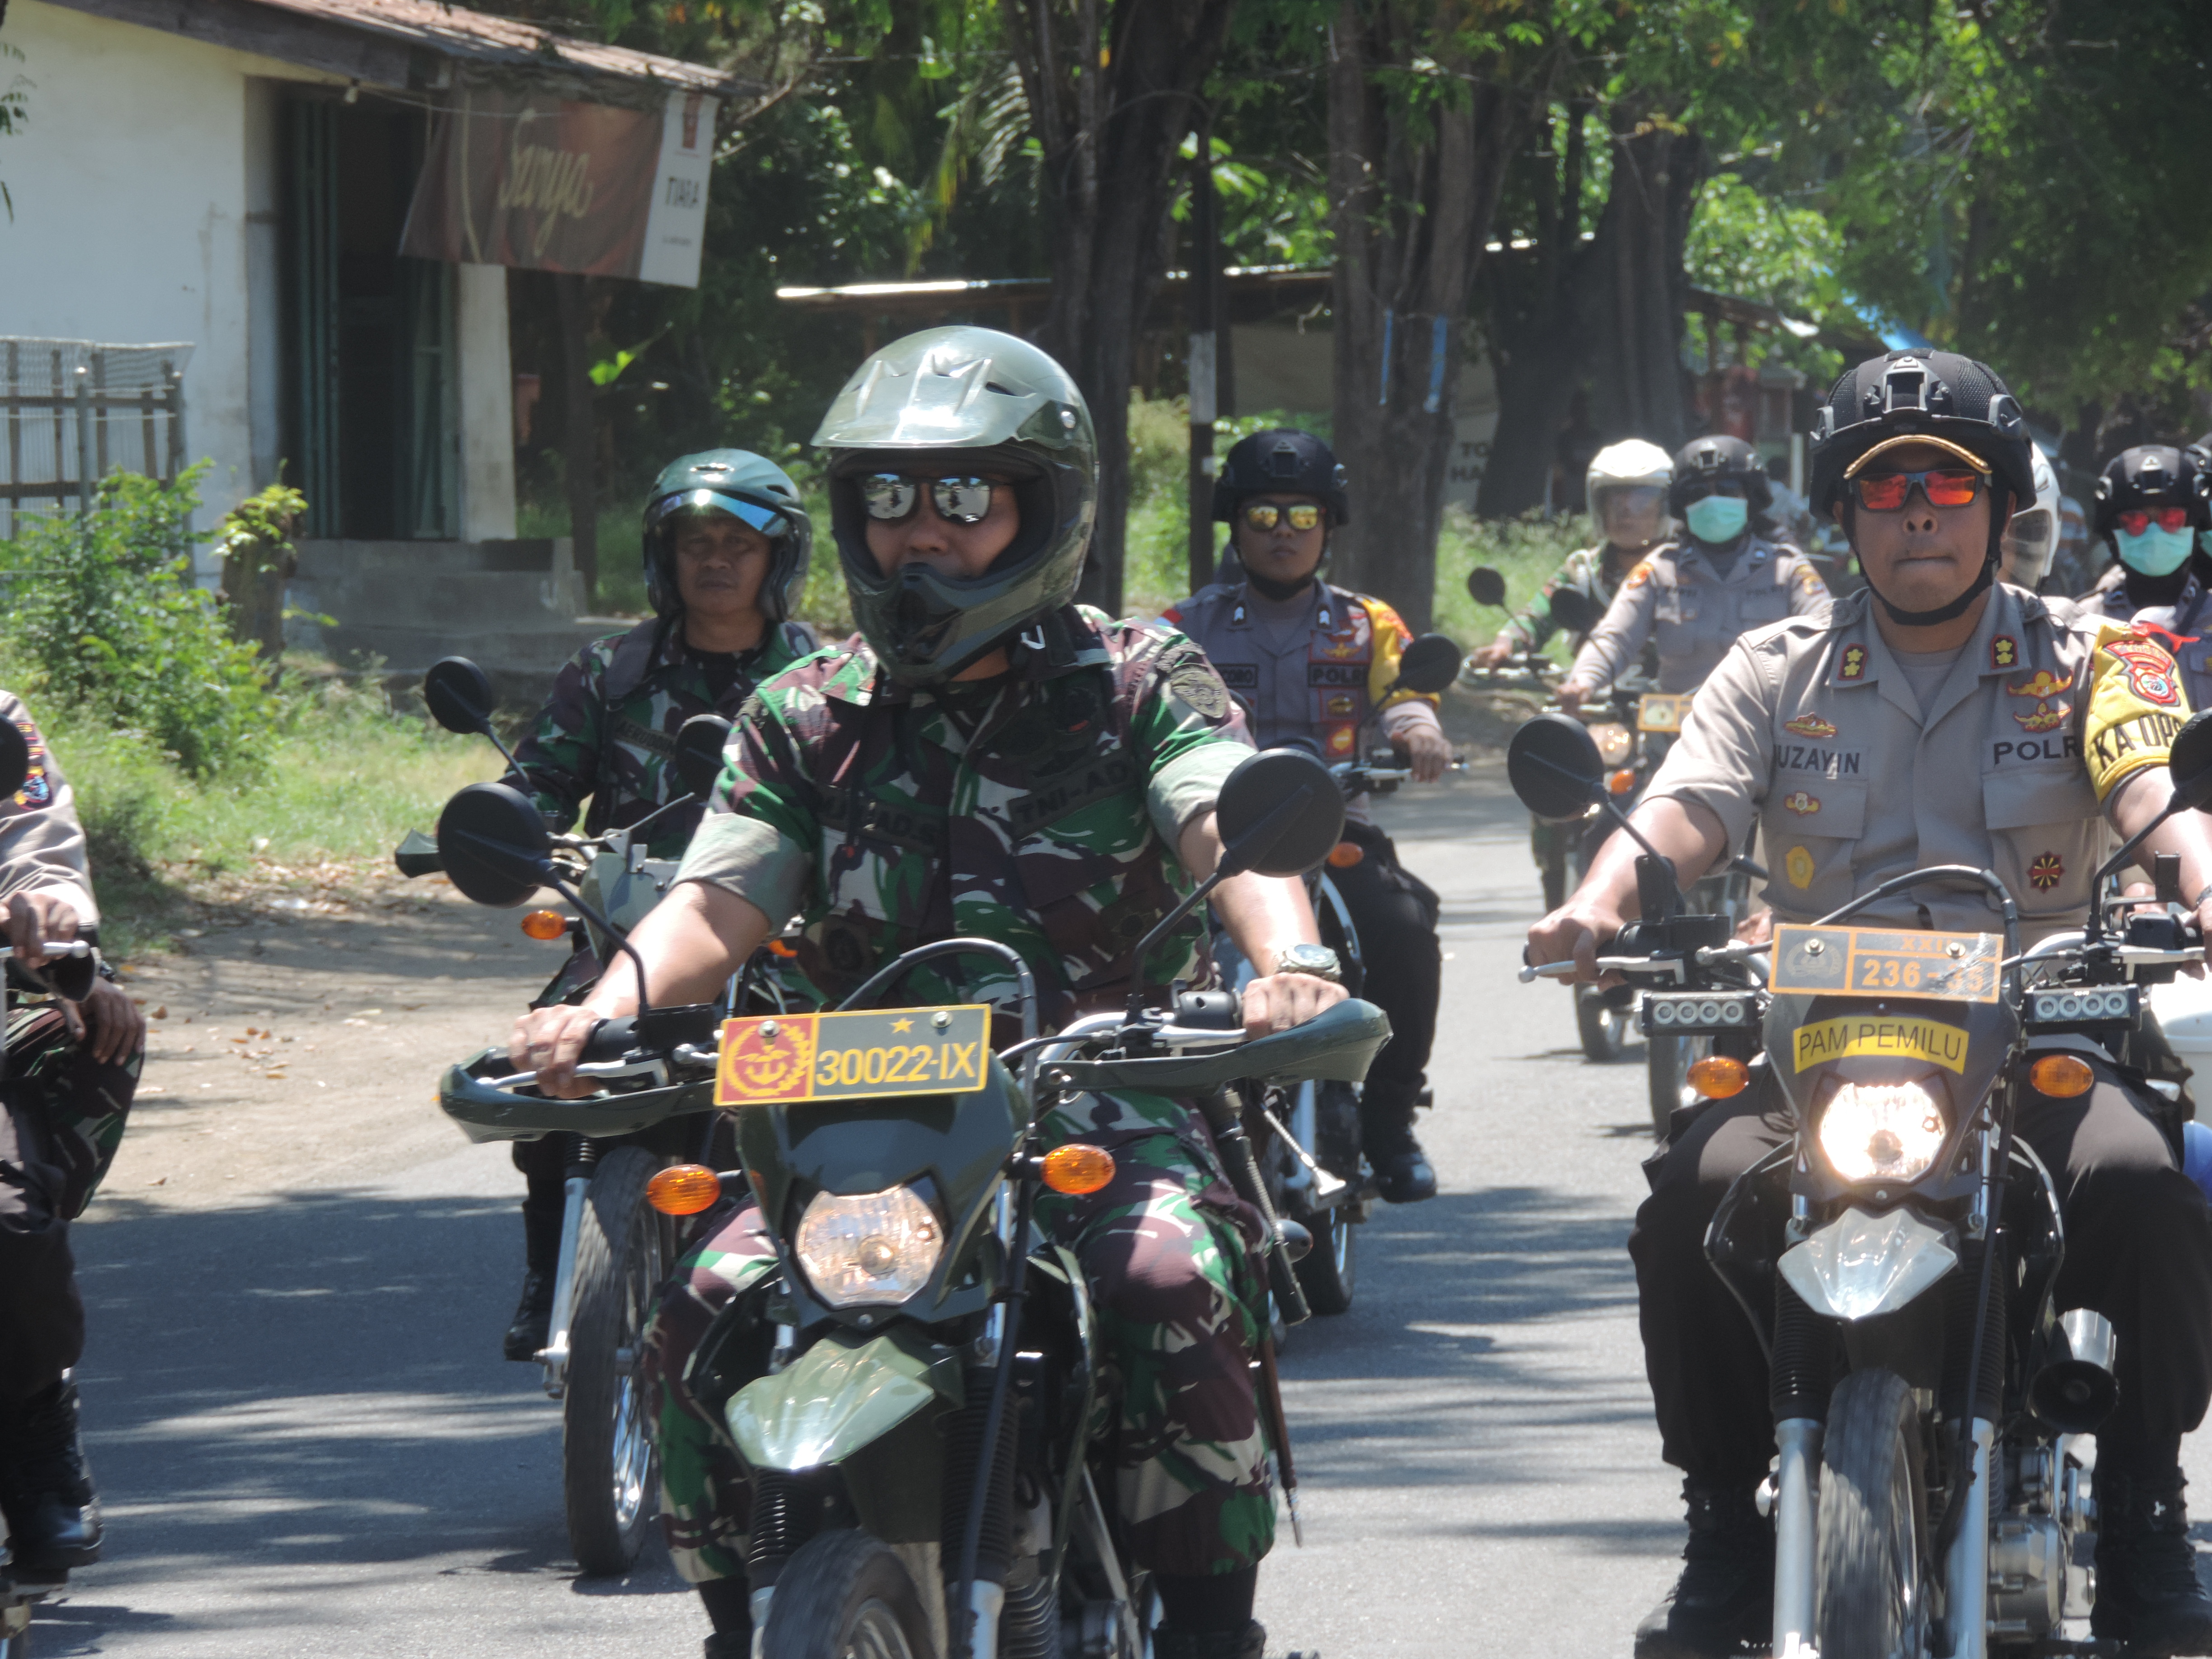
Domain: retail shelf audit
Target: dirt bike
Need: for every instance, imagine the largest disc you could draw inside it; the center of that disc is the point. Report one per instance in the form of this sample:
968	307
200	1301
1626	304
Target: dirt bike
1930	1396
615	1247
915	1387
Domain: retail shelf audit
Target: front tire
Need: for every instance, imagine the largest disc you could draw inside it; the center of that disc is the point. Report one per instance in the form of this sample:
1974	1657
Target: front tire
609	1474
1603	1027
1668	1069
845	1596
1870	1583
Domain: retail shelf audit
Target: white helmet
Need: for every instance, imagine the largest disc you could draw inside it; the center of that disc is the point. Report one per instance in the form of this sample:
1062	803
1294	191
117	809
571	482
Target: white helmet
1632	461
2032	535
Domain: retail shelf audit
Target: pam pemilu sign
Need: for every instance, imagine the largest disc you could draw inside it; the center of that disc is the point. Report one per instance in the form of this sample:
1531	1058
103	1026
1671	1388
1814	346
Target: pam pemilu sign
512	179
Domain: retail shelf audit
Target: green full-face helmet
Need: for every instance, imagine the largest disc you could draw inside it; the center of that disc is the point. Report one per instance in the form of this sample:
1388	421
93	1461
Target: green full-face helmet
750	488
948	400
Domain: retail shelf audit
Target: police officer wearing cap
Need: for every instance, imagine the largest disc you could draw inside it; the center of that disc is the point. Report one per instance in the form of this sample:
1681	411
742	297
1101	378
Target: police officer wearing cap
2153	513
1939	718
1312	663
1692	596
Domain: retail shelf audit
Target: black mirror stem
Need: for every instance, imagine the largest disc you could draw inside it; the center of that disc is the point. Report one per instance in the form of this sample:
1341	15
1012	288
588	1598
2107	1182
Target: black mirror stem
553	878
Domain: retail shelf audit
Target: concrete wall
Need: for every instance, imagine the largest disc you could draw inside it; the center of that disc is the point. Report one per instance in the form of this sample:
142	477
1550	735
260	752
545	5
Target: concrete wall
134	177
487	404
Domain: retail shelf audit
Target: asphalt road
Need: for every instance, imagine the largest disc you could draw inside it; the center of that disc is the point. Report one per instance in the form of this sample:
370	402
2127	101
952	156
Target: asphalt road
309	1445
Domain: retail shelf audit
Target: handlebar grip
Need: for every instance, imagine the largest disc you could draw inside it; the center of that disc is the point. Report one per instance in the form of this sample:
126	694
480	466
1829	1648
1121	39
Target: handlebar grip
611	1039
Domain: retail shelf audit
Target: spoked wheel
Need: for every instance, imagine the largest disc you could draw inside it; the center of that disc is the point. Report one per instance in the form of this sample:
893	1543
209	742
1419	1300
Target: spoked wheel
1870	1586
1602	1026
607	1465
1331	1269
1668	1068
845	1596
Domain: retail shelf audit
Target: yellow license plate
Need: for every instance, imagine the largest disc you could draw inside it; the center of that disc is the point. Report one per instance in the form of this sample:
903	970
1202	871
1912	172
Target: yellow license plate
780	1060
1661	711
1867	961
1882	1036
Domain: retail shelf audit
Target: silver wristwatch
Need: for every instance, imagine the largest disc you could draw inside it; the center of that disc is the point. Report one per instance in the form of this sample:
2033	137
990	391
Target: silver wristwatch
1316	959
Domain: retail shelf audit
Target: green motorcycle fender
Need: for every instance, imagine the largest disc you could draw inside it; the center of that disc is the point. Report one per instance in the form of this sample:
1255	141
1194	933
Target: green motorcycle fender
842	1395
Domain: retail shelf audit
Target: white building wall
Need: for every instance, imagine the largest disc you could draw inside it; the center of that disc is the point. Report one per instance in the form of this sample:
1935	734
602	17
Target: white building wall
134	177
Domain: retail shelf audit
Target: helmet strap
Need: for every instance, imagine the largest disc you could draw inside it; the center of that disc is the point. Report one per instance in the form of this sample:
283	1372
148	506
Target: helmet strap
1269	588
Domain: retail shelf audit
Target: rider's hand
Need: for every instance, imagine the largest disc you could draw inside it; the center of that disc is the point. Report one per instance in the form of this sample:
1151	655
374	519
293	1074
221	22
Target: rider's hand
1493	655
1574	932
1282	1000
1571	695
1430	753
117	1024
34	919
550	1042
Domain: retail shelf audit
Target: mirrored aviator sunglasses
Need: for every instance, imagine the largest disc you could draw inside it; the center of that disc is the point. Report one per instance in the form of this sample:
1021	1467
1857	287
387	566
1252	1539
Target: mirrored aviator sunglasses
2137	521
1887	492
1263	515
891	497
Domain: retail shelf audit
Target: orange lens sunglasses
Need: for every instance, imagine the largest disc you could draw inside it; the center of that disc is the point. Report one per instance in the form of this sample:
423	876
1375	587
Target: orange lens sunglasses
2137	519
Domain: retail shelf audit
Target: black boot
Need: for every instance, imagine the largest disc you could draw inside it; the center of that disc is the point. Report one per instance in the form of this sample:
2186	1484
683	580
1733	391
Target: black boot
2147	1593
1402	1172
1725	1597
45	1486
533	1315
1172	1642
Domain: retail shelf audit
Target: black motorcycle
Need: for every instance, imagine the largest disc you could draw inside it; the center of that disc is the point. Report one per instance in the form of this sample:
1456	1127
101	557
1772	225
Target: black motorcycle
1897	1256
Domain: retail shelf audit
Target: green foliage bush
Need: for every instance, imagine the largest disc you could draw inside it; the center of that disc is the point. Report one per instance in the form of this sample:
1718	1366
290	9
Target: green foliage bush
108	620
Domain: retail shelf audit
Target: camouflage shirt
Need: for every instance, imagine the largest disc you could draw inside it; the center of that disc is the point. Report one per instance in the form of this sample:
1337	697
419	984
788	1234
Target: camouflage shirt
609	730
1041	809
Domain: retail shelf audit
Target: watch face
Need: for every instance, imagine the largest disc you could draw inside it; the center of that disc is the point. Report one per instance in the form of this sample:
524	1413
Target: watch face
1310	958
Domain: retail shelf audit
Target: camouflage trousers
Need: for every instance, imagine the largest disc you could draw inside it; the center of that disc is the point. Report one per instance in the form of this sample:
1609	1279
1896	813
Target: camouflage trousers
61	1119
1163	1246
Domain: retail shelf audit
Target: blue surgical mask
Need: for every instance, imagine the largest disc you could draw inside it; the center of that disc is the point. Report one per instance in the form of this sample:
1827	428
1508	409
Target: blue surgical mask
2156	552
1718	519
2204	541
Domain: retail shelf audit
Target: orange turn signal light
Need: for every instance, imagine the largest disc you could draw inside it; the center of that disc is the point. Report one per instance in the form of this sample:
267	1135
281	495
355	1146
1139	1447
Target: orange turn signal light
684	1189
1345	854
2061	1077
1719	1077
1621	781
1076	1168
777	947
545	924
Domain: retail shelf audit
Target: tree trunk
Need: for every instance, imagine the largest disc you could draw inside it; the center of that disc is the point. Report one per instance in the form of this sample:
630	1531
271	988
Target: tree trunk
1636	340
1110	115
580	444
1414	193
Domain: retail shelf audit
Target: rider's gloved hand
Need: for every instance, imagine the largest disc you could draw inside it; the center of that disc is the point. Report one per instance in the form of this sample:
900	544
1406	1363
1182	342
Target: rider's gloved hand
1282	1000
1429	752
1575	932
550	1042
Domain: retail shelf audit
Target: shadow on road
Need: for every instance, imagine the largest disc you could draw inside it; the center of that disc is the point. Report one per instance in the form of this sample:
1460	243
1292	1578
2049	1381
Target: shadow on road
311	1391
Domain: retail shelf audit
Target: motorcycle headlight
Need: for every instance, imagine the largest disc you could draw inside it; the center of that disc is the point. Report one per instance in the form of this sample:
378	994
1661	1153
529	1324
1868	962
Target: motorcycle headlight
1885	1131
876	1248
1614	742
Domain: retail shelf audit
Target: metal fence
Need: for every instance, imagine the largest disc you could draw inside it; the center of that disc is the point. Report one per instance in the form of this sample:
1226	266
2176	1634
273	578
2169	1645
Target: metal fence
73	410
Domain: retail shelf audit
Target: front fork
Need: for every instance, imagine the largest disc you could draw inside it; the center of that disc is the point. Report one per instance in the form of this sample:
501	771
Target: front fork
1796	1496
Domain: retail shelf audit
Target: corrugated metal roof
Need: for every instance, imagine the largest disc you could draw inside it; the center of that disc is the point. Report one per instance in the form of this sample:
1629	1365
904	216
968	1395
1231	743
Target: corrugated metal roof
503	42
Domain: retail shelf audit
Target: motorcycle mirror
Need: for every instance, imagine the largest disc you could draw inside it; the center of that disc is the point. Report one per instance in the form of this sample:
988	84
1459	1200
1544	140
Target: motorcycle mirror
2189	762
1573	611
1280	812
14	757
493	844
1486	587
459	696
1430	665
1553	766
699	744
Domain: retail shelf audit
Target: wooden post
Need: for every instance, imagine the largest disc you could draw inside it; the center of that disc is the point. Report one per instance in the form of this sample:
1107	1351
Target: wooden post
1201	287
580	445
83	379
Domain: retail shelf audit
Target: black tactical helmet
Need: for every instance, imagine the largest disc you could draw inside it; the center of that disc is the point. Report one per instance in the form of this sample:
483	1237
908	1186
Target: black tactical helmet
1933	396
750	488
1703	461
1281	458
960	398
2151	474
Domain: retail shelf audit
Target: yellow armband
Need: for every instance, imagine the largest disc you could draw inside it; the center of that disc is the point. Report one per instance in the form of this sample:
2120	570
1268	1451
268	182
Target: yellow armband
2136	706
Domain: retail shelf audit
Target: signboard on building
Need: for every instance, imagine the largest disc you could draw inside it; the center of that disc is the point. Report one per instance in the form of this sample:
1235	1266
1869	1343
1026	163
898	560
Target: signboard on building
515	178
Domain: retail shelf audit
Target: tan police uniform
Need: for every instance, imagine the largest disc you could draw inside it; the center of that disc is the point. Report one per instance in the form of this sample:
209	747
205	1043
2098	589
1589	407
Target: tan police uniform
1812	728
1677	599
41	843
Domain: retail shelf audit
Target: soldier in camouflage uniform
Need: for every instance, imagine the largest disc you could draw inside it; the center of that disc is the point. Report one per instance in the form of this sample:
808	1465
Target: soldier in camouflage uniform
989	759
726	545
72	1070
